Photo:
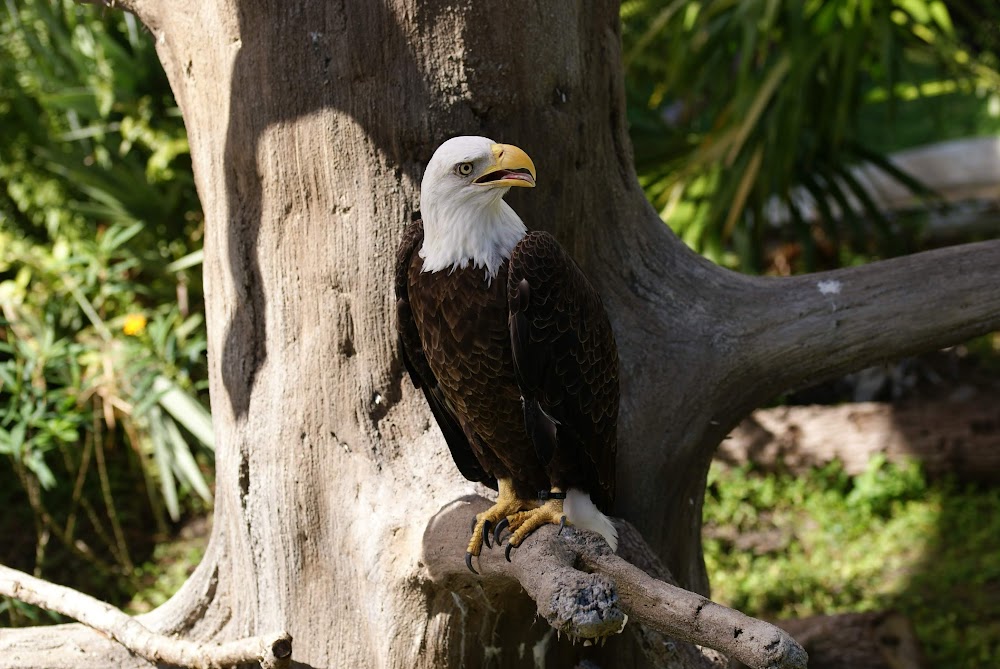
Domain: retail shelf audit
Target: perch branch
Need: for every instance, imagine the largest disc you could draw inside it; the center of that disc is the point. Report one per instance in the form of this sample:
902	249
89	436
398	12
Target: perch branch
584	590
686	616
272	651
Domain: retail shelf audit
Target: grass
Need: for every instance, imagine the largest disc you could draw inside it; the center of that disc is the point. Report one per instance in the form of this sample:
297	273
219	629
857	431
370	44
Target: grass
169	567
784	546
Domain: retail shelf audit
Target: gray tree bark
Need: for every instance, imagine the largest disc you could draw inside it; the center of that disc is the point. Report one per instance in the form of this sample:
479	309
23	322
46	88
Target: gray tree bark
309	125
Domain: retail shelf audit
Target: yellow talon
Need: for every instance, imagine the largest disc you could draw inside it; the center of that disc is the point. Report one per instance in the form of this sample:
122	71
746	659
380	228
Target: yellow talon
507	504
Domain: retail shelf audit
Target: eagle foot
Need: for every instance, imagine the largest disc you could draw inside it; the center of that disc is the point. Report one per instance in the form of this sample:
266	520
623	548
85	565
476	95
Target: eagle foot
507	504
523	523
503	524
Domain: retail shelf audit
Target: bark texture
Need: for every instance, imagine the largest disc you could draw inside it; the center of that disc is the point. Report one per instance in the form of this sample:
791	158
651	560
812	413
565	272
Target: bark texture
309	124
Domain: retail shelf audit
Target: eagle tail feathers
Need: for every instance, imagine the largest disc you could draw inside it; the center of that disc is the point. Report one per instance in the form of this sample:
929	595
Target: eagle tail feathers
582	512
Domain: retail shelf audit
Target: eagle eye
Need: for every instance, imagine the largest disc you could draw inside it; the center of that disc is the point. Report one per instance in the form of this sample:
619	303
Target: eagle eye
464	169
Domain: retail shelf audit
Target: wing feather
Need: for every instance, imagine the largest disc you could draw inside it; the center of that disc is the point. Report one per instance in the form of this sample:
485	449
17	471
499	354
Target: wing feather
566	364
414	360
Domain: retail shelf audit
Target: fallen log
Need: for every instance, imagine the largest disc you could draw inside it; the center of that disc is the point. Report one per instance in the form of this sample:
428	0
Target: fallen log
871	640
959	438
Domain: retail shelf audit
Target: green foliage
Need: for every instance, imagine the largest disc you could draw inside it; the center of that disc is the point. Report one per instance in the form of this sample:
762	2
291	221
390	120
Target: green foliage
171	565
82	337
102	373
735	103
791	546
91	132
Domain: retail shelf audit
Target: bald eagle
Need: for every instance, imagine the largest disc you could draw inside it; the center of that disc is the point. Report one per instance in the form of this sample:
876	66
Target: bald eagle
511	346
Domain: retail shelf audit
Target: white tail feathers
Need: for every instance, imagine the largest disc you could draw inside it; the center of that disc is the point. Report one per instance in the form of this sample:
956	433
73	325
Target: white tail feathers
582	512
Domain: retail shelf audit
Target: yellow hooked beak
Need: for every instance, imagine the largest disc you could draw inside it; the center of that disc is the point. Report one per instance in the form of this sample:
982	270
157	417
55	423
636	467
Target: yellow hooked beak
511	167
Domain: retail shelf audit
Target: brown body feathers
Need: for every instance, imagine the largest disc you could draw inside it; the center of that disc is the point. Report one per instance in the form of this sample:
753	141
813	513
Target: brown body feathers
520	371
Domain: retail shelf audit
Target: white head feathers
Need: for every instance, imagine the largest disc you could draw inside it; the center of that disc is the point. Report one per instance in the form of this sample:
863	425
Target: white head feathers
465	218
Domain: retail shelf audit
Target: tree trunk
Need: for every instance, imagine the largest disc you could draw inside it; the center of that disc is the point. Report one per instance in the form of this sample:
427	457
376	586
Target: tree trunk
309	126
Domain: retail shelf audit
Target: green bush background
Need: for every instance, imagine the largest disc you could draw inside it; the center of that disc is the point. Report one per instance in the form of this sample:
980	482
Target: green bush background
104	435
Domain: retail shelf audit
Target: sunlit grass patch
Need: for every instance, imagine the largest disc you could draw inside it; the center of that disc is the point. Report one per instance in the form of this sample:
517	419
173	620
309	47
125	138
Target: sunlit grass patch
784	546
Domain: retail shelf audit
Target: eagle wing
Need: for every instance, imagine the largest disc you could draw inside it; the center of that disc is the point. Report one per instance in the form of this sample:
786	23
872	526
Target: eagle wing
412	352
565	362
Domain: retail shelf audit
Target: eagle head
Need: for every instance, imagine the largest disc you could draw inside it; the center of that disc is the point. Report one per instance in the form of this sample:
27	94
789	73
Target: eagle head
466	221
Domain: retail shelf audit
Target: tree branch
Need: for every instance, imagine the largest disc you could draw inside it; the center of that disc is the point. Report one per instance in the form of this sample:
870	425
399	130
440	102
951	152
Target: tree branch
814	326
272	651
701	347
584	590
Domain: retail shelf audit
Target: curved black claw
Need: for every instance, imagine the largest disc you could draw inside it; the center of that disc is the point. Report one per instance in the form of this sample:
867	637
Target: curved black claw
506	553
562	524
468	563
486	533
501	526
472	527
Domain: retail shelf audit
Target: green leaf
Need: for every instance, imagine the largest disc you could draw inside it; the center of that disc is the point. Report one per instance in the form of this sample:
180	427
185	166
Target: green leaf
163	455
762	97
15	439
36	463
190	260
184	464
116	236
185	410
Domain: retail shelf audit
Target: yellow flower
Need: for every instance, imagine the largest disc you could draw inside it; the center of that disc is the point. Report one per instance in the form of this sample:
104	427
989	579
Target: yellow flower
134	324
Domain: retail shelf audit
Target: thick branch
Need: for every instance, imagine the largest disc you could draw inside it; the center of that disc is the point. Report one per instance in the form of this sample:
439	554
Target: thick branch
593	602
687	616
814	326
272	651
